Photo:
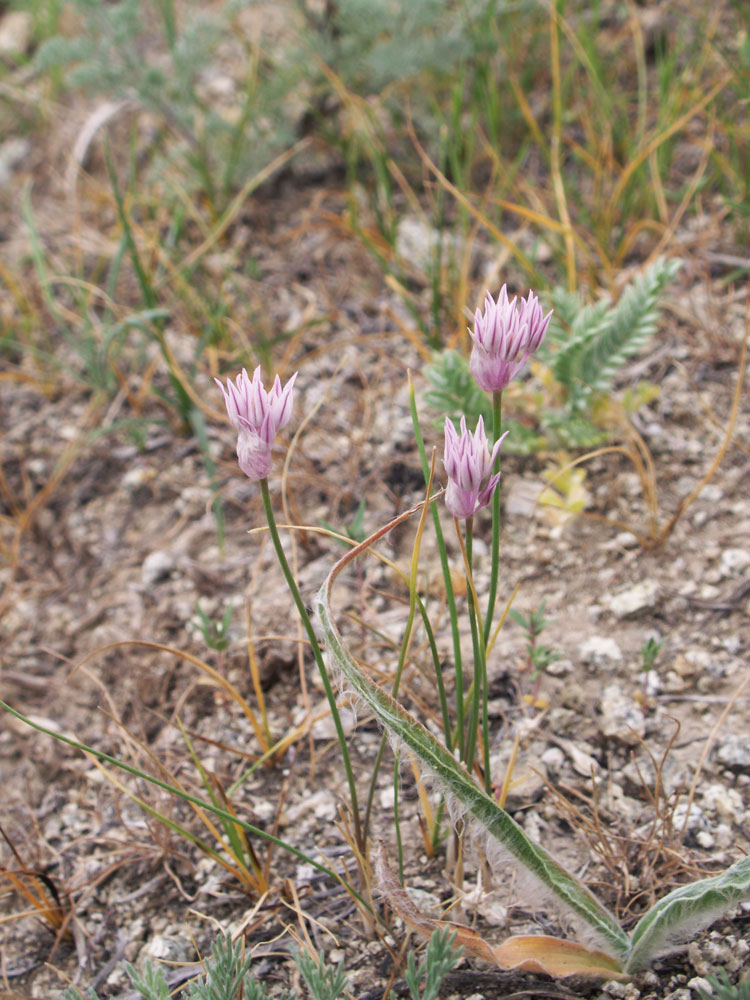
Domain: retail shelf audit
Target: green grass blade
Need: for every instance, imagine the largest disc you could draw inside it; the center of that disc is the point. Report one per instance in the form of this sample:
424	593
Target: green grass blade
223	814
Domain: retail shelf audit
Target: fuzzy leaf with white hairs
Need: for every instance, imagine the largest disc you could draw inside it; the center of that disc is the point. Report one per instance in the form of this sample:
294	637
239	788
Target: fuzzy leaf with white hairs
685	911
554	883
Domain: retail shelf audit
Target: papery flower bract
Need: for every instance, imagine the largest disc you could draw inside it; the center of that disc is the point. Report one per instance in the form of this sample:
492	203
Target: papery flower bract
468	463
504	336
258	416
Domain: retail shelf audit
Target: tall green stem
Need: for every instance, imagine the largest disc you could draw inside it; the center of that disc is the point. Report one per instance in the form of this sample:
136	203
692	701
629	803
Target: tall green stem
317	653
471	733
450	597
495	552
479	683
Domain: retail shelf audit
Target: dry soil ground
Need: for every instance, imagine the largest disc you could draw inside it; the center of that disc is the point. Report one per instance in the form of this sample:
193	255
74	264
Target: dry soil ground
120	544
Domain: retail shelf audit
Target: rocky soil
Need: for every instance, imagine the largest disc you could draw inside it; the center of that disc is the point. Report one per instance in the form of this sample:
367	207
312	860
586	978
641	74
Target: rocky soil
637	781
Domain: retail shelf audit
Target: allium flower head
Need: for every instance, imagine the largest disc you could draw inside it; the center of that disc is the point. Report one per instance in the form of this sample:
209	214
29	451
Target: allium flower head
504	336
468	463
258	416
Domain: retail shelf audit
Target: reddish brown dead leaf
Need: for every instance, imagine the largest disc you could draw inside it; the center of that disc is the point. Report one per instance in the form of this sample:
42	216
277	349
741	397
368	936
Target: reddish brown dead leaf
539	953
530	953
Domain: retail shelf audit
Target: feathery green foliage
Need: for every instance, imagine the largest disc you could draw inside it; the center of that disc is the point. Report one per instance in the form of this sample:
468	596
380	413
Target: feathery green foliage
587	345
454	389
151	985
374	44
228	975
324	981
723	989
440	956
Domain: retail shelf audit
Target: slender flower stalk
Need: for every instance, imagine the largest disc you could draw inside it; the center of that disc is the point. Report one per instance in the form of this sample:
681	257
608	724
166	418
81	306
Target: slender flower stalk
449	594
317	653
497	420
471	485
478	648
258	416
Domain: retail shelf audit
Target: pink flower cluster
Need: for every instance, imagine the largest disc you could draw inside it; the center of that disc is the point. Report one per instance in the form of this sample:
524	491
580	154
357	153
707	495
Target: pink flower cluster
258	416
504	336
468	462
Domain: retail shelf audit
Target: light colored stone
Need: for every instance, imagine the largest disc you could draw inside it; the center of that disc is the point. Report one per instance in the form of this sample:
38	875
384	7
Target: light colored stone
725	802
634	600
320	804
156	567
733	561
600	651
12	154
527	781
427	903
621	718
173	947
560	668
705	840
553	759
622	991
696	821
416	241
324	729
734	752
15	32
520	496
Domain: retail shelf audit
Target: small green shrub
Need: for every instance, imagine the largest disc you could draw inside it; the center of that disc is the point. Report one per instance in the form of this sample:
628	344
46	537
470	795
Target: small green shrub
228	975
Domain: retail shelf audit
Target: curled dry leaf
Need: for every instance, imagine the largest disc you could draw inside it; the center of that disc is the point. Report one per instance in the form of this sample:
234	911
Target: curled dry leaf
527	953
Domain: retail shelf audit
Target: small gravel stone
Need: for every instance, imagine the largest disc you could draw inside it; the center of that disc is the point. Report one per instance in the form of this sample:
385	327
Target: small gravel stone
621	718
601	652
521	496
325	728
428	903
553	759
734	753
633	601
156	567
167	948
16	28
12	153
725	802
622	991
696	823
733	561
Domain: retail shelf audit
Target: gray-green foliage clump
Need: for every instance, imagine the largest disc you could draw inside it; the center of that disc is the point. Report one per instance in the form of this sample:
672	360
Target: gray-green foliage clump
162	58
375	43
229	976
